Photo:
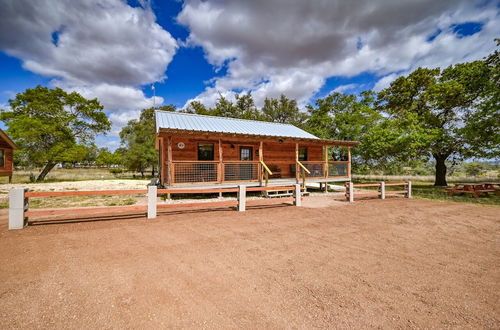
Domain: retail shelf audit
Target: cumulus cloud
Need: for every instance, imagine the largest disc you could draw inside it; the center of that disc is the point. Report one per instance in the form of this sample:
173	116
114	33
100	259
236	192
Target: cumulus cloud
100	48
292	46
348	87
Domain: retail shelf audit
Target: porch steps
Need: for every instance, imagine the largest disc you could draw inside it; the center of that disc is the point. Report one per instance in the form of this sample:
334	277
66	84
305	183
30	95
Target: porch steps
283	193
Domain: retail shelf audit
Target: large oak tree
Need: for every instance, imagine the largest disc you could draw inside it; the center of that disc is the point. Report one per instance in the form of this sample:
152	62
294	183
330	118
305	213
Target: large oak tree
52	126
446	114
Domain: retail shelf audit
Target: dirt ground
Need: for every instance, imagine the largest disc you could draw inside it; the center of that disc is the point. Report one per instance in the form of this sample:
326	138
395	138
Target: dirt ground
392	263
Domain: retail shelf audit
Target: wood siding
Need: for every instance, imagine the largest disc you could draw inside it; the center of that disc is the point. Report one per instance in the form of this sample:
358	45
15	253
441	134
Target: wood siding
280	157
8	167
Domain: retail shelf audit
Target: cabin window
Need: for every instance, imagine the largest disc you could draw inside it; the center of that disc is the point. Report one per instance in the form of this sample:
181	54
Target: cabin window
302	154
2	158
246	153
205	151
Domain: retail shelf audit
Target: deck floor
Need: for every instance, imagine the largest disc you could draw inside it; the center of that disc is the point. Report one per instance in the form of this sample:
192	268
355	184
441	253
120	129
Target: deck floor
272	183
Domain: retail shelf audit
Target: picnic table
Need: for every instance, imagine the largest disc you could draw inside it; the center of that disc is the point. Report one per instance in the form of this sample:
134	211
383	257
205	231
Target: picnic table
475	189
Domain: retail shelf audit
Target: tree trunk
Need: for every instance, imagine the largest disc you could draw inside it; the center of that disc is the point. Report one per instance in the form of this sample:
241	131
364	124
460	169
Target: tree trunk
440	179
153	171
142	172
48	167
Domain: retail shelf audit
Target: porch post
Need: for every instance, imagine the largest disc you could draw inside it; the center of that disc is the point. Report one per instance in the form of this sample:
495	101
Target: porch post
220	174
325	160
170	177
163	167
261	159
349	162
297	162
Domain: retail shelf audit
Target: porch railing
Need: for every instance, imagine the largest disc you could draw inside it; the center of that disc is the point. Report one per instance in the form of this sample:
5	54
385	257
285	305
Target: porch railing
316	169
230	171
241	171
189	172
338	168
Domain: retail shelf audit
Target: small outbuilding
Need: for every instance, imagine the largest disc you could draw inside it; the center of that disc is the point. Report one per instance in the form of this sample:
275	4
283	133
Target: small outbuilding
208	150
7	147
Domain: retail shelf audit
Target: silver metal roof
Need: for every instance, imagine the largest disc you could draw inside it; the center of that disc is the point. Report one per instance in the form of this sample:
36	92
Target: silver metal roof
202	123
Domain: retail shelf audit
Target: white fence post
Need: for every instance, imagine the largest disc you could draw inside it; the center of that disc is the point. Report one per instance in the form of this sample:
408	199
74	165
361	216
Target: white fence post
351	192
382	190
242	192
17	206
152	201
408	194
298	196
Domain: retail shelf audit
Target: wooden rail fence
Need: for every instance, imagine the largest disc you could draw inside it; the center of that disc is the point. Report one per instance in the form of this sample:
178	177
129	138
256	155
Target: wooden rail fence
19	211
381	192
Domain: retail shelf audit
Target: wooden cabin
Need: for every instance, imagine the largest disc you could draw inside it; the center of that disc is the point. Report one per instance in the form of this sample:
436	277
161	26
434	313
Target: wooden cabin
207	150
7	147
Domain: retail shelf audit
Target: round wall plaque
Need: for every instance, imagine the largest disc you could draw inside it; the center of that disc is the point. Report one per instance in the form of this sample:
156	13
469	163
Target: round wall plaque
181	145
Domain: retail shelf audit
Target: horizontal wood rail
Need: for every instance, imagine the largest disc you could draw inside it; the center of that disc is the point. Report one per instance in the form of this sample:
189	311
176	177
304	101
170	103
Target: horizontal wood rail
19	202
34	194
381	192
197	191
241	162
86	210
196	161
270	188
197	204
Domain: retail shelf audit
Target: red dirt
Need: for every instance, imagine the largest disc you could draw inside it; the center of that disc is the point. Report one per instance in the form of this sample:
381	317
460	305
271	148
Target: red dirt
396	263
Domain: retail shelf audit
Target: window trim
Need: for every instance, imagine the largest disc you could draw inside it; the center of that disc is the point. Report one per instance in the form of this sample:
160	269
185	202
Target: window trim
251	153
3	158
305	154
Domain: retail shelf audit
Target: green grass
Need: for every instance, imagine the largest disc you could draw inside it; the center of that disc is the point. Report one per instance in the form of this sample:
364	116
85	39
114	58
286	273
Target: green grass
426	190
74	174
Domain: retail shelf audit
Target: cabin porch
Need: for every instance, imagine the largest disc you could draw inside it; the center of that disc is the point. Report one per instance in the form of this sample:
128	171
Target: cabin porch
223	161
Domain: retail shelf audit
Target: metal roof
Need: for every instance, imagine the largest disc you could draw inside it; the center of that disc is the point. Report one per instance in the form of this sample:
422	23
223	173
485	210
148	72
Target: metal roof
202	123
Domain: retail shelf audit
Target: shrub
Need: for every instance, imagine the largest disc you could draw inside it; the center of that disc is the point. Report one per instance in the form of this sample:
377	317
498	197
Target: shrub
115	171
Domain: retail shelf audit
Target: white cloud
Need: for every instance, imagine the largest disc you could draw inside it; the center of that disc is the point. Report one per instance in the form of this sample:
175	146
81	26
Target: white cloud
384	82
292	46
100	48
116	98
345	88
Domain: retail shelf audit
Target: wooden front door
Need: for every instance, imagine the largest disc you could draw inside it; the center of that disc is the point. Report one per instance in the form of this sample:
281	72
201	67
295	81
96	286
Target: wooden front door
246	154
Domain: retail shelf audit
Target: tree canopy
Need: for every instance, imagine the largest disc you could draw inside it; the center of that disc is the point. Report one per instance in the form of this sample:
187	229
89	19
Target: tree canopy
138	142
450	113
52	126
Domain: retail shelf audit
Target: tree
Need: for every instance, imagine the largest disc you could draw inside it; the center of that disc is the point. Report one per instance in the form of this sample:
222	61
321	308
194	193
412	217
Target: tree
346	117
474	169
283	110
447	114
107	158
49	124
197	107
138	142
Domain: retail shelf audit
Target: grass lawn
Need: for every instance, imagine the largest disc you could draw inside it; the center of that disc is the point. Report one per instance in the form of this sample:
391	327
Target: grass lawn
74	174
426	190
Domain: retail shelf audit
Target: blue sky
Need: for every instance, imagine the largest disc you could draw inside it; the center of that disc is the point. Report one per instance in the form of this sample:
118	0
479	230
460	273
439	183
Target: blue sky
195	50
